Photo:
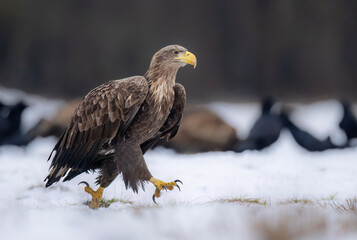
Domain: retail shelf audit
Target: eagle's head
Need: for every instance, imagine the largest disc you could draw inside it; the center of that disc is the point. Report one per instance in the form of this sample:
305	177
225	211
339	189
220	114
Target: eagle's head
173	56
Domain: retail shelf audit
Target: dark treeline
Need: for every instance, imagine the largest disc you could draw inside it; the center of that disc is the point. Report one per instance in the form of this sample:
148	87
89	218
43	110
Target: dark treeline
245	49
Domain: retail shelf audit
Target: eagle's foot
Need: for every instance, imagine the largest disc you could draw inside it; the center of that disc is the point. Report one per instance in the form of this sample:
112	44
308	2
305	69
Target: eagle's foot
160	185
96	195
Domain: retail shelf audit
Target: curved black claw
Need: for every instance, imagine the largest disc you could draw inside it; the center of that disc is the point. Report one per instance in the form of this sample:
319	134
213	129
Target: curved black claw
153	198
178	181
85	183
164	188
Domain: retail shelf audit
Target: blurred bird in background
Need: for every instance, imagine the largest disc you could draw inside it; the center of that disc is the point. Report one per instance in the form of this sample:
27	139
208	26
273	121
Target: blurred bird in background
10	125
265	131
307	140
348	122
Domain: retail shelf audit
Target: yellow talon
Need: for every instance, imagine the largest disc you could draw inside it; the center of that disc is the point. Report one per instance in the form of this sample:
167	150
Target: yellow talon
160	185
96	195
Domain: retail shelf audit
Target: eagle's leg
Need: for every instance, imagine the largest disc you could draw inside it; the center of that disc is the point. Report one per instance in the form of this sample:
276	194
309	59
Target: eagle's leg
135	171
96	195
109	171
160	185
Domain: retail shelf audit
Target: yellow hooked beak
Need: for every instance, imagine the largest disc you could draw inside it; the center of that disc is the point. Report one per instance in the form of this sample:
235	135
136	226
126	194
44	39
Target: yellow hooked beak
188	57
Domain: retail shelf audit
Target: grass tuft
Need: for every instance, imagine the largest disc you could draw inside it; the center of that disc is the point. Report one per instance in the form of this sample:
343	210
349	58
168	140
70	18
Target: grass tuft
105	203
349	207
330	198
244	200
303	201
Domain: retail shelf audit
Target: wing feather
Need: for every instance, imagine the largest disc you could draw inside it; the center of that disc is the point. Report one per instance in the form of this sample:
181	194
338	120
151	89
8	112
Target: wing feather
106	112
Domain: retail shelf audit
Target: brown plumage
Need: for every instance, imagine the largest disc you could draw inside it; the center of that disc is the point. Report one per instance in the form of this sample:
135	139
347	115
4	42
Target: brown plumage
117	122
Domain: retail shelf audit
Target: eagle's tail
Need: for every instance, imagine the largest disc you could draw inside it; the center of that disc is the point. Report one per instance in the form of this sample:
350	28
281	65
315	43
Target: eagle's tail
55	175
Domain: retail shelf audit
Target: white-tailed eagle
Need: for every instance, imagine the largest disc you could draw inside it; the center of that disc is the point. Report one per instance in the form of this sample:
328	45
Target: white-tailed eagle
117	122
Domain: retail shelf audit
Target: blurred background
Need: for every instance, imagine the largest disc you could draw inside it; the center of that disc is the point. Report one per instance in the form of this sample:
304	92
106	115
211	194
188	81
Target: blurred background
292	50
271	168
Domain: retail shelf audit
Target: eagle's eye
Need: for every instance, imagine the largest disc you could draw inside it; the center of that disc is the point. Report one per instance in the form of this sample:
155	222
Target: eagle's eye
175	52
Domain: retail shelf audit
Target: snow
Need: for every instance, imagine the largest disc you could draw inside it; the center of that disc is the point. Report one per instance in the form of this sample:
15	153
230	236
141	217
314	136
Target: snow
201	209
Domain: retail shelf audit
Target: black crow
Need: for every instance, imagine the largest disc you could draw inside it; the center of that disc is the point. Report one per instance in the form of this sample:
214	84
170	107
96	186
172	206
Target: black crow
306	140
348	122
265	131
10	122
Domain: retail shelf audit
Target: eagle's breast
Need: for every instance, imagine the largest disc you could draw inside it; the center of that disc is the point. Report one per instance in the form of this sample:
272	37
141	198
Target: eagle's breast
161	96
154	111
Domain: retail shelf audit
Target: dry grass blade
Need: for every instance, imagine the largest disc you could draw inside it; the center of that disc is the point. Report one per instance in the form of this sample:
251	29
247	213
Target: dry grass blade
349	207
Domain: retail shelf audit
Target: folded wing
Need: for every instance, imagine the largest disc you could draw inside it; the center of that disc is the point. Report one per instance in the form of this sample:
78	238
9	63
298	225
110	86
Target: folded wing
101	118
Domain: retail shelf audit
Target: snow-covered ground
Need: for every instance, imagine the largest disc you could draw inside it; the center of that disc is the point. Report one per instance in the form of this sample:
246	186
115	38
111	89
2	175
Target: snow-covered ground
282	192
